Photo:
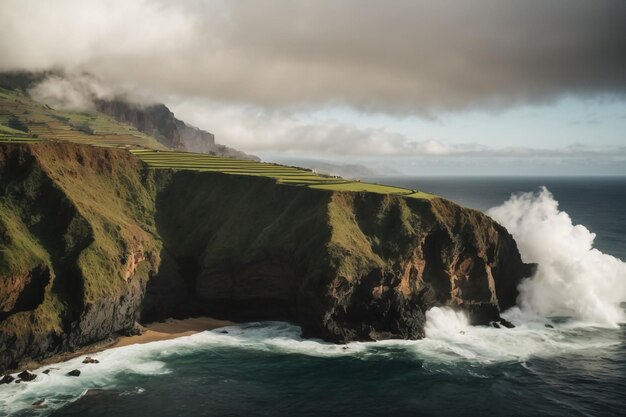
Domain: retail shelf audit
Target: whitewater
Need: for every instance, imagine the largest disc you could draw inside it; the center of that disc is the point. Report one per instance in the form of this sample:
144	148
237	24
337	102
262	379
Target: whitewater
571	307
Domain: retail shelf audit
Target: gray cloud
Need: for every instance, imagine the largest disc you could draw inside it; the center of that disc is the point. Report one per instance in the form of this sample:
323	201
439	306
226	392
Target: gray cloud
398	57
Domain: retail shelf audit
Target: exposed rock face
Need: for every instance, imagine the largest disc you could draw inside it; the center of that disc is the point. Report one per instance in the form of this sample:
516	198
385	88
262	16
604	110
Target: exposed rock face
158	121
93	241
345	266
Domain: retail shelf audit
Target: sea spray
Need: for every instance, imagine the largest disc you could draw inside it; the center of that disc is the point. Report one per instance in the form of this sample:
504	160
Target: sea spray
573	279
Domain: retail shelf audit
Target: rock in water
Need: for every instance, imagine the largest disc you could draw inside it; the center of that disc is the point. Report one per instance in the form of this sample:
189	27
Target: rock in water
506	323
7	379
40	403
89	359
549	326
26	376
74	372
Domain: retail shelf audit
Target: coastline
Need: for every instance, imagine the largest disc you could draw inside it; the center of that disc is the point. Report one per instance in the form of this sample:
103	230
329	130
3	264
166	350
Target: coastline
152	332
171	329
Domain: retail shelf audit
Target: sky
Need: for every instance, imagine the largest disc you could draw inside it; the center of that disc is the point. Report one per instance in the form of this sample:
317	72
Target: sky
522	87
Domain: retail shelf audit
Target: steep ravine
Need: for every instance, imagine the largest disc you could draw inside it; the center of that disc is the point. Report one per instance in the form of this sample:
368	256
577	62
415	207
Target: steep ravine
91	242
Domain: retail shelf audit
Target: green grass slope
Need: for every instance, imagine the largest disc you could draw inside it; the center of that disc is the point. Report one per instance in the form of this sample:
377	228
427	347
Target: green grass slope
43	123
77	242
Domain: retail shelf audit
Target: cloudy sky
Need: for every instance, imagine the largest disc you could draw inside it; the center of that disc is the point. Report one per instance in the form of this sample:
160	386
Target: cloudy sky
417	86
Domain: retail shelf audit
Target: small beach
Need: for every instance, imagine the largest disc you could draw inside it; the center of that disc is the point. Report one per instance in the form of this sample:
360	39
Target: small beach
171	329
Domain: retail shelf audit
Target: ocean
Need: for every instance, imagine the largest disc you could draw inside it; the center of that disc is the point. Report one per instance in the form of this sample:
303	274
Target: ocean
566	357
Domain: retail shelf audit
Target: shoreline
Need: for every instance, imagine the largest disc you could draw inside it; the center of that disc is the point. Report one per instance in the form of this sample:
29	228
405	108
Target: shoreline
171	329
152	332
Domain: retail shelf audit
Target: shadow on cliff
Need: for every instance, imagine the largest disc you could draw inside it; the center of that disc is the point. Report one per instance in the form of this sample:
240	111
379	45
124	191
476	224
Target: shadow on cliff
233	248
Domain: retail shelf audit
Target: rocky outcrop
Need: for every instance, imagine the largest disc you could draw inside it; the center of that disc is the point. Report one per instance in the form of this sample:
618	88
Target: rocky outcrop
345	266
158	121
93	242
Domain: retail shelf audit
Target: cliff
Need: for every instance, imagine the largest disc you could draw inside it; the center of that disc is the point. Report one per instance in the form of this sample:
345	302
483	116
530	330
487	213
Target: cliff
92	241
158	121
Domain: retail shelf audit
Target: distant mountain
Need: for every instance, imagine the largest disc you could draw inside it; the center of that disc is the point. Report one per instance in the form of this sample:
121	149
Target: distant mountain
159	122
155	120
337	168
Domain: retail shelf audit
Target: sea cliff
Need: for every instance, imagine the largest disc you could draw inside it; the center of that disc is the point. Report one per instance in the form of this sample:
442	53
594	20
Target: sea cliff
93	241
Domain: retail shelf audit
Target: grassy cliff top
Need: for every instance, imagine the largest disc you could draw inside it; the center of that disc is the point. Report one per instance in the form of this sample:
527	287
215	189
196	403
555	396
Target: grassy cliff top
282	174
23	120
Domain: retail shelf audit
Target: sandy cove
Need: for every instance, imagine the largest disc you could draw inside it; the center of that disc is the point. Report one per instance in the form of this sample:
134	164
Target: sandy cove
171	329
153	332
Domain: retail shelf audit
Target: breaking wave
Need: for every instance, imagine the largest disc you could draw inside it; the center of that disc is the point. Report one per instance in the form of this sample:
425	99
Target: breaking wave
573	279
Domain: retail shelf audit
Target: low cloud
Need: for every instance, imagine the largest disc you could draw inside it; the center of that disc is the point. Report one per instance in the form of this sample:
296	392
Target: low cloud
79	91
405	56
70	92
290	133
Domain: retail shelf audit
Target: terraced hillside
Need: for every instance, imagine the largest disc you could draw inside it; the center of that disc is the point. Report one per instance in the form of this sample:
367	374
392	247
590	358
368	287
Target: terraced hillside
23	119
282	174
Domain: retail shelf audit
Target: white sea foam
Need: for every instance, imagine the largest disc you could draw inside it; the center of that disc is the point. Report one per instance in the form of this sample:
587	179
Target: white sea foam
449	339
573	279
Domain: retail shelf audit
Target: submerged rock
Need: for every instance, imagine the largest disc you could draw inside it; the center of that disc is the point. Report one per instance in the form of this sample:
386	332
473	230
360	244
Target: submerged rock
549	326
40	403
74	372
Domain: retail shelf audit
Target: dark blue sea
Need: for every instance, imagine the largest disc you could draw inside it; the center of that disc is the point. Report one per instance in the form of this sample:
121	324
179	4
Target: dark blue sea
566	357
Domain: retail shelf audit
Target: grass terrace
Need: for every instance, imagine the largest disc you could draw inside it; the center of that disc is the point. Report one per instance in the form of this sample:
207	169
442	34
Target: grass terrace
84	127
281	173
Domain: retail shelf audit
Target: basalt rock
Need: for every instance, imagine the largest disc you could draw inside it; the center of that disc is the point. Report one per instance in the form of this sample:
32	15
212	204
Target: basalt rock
7	379
26	376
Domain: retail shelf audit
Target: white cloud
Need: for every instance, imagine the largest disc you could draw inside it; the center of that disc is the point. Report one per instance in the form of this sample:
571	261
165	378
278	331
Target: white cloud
291	133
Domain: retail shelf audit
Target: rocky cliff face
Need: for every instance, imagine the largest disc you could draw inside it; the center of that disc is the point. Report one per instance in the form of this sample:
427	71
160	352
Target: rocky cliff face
158	121
345	266
91	241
